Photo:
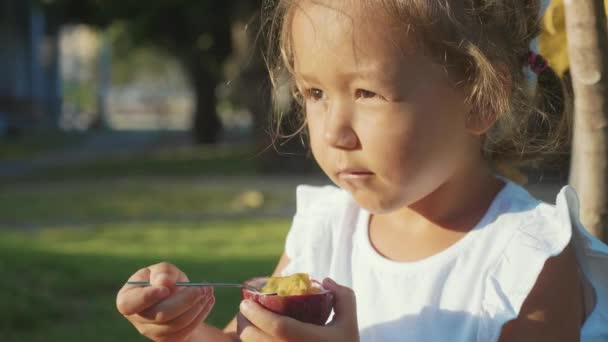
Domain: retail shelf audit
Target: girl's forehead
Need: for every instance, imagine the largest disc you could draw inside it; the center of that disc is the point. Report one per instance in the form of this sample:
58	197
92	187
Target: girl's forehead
349	35
357	19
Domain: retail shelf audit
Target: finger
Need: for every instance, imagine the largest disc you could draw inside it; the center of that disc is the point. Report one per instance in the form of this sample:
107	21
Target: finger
241	323
345	304
132	299
184	333
175	305
247	332
180	328
208	307
274	325
166	274
141	275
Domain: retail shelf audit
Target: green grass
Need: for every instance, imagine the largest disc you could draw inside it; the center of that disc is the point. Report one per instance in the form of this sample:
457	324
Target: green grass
60	283
70	236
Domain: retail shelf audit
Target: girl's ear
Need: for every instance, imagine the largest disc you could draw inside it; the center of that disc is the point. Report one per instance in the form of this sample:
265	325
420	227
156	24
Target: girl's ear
478	123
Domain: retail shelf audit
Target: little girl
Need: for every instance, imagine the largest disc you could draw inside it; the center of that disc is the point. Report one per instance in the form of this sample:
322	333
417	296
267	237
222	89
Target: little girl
411	108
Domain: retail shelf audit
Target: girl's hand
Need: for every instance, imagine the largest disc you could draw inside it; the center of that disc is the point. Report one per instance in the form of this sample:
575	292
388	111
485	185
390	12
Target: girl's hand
162	312
258	324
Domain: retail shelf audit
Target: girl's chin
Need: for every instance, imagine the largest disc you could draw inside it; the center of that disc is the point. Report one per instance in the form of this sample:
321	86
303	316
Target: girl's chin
371	196
374	204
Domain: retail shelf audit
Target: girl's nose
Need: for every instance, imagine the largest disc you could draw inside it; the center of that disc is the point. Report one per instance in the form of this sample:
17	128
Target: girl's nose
339	132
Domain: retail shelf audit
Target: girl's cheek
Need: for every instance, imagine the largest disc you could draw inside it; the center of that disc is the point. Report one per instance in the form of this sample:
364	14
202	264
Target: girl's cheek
314	112
315	125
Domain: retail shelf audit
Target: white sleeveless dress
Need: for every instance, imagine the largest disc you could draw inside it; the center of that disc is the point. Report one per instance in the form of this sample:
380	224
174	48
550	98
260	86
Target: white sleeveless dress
464	293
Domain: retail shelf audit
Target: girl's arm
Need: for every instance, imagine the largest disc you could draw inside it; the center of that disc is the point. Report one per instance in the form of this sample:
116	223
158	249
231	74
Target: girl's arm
210	333
553	311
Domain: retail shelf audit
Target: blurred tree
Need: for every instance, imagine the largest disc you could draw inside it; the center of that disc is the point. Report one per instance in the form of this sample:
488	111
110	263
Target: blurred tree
585	26
251	88
195	32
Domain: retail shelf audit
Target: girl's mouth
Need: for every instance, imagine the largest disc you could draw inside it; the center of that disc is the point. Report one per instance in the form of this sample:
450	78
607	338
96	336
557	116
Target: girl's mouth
354	173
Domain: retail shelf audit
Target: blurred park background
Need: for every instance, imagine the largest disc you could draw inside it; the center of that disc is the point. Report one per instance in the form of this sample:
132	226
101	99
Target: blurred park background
130	133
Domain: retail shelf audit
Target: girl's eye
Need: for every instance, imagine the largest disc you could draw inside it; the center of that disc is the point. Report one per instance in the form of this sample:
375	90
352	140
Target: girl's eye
365	94
314	94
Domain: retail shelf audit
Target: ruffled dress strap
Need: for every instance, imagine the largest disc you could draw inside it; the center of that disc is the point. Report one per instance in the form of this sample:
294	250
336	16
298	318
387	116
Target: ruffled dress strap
592	256
536	238
541	236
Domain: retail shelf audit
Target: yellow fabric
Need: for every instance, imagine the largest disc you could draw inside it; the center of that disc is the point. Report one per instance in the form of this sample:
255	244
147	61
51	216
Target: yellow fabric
552	42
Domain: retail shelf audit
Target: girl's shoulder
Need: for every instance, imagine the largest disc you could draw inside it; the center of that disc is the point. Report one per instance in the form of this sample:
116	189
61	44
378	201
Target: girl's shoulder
527	232
320	200
324	214
321	213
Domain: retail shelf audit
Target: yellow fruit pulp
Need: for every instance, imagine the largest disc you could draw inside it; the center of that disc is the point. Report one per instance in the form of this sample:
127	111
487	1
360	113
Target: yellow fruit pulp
295	284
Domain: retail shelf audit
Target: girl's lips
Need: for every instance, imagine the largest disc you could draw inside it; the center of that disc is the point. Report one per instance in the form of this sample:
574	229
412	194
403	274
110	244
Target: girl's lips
354	173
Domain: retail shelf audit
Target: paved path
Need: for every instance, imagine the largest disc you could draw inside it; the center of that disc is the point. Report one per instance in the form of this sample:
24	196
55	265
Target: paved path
95	146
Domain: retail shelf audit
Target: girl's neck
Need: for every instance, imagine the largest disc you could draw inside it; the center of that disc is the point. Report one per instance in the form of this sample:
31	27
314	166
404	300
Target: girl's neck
456	205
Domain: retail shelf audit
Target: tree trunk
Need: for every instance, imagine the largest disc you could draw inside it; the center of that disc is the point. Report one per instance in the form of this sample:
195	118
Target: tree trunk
104	71
588	50
251	88
206	126
54	90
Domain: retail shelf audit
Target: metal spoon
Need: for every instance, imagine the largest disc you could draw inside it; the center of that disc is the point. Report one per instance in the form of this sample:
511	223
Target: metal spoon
184	283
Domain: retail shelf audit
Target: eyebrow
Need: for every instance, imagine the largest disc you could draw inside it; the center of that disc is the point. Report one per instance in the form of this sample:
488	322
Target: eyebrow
306	77
371	73
360	74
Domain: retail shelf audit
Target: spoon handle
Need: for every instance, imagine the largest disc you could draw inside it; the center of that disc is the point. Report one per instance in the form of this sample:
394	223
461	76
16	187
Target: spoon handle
185	283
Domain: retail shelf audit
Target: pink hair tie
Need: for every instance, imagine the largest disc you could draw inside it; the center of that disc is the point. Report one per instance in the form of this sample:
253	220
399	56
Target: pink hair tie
537	63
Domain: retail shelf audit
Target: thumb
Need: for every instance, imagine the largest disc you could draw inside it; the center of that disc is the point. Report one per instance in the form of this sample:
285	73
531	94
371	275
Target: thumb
166	275
345	306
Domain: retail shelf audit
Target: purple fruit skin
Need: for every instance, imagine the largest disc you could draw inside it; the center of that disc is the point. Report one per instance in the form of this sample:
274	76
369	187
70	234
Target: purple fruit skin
312	308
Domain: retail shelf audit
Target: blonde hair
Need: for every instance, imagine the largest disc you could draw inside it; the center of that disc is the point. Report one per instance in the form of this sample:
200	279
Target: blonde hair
483	45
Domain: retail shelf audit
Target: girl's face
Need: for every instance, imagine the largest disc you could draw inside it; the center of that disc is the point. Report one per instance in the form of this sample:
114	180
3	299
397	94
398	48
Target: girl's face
384	122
